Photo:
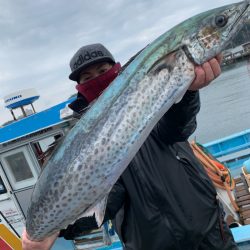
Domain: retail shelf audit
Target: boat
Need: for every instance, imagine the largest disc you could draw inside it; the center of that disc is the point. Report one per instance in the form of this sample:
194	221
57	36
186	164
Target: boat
234	152
26	145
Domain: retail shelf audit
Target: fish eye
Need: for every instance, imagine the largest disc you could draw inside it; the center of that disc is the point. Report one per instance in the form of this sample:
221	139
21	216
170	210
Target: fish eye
221	20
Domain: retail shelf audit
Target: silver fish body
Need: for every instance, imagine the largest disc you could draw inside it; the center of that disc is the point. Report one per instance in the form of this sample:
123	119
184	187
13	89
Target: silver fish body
80	175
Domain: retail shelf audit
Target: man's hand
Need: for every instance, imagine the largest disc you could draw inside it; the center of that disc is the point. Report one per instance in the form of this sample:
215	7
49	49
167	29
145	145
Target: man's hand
206	73
45	244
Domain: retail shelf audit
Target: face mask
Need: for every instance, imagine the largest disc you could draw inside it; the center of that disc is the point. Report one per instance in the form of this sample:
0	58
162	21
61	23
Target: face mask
94	87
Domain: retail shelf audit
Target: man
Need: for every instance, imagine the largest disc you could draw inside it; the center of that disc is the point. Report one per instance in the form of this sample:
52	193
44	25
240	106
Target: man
164	200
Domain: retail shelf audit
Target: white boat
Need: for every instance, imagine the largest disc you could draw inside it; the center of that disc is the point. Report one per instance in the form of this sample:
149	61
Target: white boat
25	146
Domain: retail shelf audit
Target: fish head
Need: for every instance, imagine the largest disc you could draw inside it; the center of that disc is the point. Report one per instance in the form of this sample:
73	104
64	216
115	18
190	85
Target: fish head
214	29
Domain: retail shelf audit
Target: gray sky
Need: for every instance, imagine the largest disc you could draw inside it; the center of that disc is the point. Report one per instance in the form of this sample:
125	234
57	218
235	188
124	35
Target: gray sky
38	38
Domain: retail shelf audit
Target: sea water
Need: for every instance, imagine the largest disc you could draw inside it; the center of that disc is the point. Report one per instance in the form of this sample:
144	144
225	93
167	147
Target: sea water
225	104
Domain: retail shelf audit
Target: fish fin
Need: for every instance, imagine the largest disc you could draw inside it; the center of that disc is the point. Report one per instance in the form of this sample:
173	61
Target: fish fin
98	211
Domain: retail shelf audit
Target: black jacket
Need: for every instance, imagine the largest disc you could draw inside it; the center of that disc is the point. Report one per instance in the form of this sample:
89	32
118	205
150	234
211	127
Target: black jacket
164	199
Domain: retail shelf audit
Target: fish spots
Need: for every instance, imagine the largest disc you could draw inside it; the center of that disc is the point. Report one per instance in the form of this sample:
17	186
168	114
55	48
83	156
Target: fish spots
103	141
64	198
89	158
59	177
62	188
76	177
59	212
71	169
79	167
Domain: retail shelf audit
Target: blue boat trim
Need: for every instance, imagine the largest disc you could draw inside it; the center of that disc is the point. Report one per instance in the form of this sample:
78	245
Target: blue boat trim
241	234
22	102
115	246
230	144
232	150
33	123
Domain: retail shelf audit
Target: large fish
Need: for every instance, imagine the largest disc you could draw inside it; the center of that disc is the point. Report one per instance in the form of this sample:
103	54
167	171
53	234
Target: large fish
79	176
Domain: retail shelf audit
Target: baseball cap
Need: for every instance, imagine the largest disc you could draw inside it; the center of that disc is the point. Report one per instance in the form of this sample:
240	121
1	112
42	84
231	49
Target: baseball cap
86	56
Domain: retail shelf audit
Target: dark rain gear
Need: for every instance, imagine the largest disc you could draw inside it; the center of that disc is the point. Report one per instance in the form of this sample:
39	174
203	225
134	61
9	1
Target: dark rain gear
164	200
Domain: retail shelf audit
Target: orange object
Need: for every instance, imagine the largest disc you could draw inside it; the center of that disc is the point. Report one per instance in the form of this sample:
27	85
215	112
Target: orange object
8	240
218	173
219	165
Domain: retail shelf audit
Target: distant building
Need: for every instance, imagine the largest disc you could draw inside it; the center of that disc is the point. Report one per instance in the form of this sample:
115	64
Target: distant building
246	47
231	55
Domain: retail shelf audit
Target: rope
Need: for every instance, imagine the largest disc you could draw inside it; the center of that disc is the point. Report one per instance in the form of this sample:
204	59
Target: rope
218	173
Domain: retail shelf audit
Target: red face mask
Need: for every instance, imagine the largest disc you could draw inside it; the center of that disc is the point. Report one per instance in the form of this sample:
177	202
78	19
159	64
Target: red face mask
94	87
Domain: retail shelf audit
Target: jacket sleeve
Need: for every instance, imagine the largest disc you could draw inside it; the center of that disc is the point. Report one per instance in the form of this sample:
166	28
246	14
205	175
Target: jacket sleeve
115	200
85	224
180	120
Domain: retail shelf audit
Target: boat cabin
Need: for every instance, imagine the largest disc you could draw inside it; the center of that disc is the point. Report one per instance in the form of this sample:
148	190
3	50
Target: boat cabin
25	145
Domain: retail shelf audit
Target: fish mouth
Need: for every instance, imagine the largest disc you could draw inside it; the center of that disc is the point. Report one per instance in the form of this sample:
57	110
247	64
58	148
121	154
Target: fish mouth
243	9
241	16
167	61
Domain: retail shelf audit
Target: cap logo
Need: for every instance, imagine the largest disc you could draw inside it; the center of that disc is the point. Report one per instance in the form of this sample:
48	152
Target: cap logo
87	56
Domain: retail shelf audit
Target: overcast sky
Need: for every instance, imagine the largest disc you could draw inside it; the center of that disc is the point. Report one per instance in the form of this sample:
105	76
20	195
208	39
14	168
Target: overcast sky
38	38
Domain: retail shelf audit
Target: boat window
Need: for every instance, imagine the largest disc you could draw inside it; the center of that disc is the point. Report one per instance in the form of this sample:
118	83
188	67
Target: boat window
19	167
43	148
2	187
